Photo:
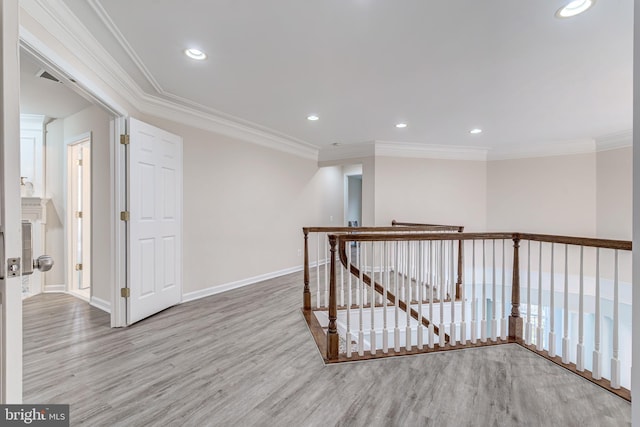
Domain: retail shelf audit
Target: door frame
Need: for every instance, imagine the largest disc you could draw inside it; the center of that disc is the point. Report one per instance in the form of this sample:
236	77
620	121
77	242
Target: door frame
68	232
75	79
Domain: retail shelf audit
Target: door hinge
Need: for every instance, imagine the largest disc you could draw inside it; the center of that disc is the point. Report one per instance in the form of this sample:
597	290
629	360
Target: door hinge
124	139
78	267
79	162
79	214
125	292
124	216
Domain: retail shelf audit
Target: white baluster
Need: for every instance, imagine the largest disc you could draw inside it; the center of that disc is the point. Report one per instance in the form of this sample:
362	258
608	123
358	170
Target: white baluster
503	324
432	262
463	320
341	279
527	327
452	280
396	329
420	267
372	331
348	335
318	300
402	262
552	333
408	345
474	303
442	296
494	321
580	349
539	338
416	274
385	268
615	362
565	336
362	253
483	322
597	356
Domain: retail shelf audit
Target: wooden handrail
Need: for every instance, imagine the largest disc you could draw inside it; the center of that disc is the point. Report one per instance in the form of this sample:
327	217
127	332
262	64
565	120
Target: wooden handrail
569	240
624	245
382	229
418	224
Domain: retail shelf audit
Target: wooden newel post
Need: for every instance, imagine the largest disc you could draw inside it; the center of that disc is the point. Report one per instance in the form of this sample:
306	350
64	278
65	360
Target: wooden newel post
306	296
332	332
515	321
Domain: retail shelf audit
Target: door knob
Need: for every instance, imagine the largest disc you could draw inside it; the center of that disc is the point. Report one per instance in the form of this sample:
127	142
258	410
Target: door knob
43	263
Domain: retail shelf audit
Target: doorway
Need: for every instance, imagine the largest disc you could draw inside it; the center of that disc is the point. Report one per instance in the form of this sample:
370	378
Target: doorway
352	195
79	216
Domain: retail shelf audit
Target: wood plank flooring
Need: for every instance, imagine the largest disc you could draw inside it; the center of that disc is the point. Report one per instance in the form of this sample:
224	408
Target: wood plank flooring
246	358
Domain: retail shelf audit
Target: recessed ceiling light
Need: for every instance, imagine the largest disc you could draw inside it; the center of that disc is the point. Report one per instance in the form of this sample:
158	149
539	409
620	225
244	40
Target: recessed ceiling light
475	131
195	54
313	117
401	125
574	8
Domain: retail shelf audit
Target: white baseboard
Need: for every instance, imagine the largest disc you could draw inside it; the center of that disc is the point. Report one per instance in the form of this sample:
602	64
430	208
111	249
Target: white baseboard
192	296
55	288
101	304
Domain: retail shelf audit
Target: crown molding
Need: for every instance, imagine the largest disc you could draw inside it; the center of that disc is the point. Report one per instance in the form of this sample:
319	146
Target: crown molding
429	151
563	148
68	30
31	121
102	14
336	153
613	141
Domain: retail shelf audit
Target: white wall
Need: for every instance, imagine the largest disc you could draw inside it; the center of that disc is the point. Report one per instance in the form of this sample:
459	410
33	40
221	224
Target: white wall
245	206
452	192
95	120
614	196
551	195
56	209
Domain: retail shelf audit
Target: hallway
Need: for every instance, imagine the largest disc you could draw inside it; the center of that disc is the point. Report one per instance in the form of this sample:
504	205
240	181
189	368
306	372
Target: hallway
245	357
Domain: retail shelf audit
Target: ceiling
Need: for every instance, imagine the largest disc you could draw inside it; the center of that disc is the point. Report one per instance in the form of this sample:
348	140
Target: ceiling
443	67
45	97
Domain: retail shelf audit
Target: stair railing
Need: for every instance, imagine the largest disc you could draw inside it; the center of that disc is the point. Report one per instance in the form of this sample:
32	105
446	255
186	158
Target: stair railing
575	292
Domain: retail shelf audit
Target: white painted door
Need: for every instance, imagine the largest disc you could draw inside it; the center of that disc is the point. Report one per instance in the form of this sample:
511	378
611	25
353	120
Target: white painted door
154	254
10	224
79	211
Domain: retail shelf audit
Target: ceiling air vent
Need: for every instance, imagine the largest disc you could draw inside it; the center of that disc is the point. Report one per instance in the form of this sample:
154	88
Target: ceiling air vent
45	75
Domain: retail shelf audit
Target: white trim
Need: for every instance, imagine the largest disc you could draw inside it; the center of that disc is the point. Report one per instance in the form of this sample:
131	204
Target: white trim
31	122
346	152
192	296
118	203
564	148
101	304
429	151
69	259
115	31
79	295
55	289
615	141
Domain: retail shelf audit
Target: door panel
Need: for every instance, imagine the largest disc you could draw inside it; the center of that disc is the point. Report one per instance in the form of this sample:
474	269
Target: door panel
155	225
10	221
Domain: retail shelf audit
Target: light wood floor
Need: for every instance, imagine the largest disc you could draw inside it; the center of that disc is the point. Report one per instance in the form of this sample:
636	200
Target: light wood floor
246	358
